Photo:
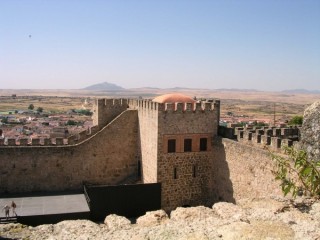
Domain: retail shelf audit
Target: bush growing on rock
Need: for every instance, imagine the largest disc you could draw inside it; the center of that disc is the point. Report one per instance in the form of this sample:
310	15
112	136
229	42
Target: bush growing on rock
298	174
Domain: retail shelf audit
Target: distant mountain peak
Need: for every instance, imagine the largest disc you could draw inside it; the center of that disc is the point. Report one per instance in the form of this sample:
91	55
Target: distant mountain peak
104	86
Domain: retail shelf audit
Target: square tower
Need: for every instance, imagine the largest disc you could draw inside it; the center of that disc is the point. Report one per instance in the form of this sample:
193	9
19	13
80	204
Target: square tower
176	138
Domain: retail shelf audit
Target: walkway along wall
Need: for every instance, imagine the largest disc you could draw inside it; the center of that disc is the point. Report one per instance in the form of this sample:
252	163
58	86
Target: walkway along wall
108	157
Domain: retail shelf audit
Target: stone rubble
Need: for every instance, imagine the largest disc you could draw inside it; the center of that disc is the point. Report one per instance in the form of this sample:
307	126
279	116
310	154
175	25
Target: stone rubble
262	218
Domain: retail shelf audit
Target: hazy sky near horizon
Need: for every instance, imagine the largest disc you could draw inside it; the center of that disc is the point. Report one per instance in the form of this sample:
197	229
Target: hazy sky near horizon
71	44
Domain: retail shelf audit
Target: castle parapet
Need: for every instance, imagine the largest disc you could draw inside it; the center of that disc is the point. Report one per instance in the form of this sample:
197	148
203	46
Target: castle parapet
35	141
82	135
237	130
11	142
29	142
276	132
274	137
47	142
105	110
265	140
94	130
189	107
256	138
23	141
287	142
59	141
202	106
275	142
71	140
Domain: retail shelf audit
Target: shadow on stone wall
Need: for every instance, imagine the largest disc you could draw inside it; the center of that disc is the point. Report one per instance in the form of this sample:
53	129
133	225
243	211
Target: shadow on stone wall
223	188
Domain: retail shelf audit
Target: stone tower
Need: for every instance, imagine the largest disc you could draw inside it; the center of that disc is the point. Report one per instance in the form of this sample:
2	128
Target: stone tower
176	139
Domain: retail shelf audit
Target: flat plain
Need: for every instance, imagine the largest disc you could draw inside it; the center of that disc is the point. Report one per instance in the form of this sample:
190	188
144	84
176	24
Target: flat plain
247	103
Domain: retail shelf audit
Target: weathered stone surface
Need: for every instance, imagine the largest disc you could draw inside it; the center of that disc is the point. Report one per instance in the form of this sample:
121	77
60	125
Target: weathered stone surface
58	168
114	222
283	220
310	132
191	213
229	211
153	218
256	230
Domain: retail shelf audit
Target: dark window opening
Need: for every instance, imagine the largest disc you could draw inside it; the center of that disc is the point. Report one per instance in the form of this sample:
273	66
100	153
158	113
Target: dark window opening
175	173
171	145
203	144
194	171
188	145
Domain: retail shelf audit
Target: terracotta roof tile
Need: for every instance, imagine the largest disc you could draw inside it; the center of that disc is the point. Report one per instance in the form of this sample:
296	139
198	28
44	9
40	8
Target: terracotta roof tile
173	98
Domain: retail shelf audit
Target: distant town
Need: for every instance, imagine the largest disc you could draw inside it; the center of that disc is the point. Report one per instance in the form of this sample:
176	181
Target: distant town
52	116
33	118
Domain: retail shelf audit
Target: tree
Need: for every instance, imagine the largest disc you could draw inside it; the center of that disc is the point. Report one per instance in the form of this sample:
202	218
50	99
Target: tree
85	112
71	122
4	120
298	174
296	120
39	109
31	106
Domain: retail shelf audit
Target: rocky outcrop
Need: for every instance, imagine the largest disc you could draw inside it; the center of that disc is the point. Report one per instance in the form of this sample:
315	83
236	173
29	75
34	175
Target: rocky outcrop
153	218
249	219
310	132
114	222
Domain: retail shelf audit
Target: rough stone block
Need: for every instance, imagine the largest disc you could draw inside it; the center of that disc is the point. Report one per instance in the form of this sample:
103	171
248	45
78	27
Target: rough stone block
47	141
277	132
275	142
59	141
11	141
265	140
287	142
23	141
35	141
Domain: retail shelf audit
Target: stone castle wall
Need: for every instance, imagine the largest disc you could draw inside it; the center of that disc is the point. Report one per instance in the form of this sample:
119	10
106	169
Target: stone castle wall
186	176
242	171
272	137
227	170
105	110
148	141
108	157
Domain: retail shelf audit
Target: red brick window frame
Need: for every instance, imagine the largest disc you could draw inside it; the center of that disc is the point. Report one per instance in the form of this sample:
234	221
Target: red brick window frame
183	144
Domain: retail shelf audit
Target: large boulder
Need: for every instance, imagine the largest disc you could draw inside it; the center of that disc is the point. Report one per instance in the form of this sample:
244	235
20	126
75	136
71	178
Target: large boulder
310	132
115	222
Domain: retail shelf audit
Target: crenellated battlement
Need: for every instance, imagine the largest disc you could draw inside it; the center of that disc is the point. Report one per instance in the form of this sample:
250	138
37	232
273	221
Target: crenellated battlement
105	110
201	106
59	141
273	137
115	102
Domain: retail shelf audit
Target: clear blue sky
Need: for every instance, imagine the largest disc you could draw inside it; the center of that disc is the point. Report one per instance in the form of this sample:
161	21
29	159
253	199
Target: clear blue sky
70	44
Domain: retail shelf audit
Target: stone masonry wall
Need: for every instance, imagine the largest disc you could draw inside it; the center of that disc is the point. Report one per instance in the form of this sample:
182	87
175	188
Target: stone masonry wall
105	110
148	131
108	157
242	171
193	182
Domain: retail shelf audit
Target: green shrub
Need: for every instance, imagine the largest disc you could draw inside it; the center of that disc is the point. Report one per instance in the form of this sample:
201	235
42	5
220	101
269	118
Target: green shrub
297	174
